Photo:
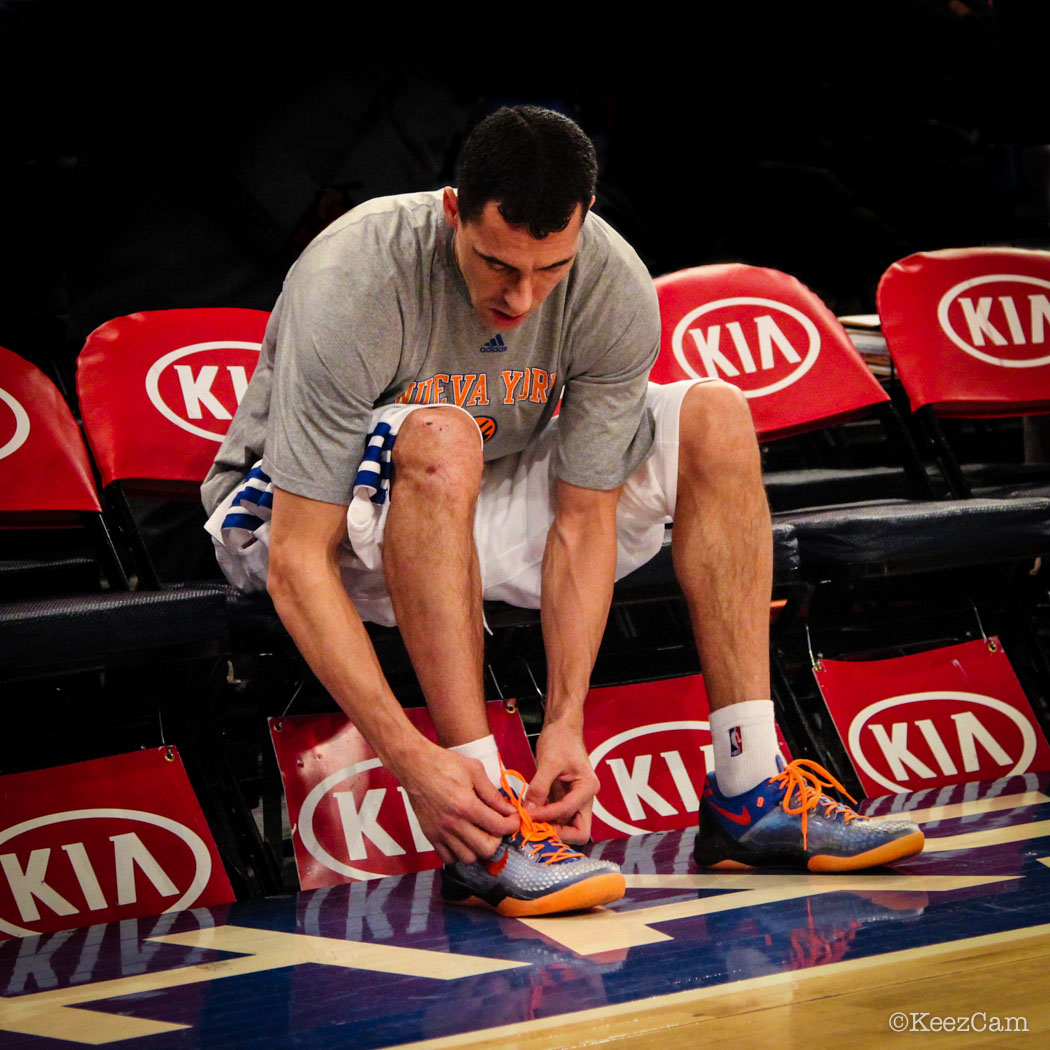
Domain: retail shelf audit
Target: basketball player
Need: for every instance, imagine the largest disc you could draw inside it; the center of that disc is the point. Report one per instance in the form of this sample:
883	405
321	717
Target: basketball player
396	458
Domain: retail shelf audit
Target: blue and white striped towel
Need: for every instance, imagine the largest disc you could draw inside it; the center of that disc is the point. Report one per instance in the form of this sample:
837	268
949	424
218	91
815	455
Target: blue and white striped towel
376	470
247	518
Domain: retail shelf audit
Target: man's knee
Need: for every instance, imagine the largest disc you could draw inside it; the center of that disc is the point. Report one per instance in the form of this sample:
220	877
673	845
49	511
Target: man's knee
438	452
716	431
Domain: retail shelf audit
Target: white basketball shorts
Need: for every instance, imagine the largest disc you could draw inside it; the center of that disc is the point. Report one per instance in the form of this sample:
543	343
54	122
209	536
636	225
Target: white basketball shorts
514	514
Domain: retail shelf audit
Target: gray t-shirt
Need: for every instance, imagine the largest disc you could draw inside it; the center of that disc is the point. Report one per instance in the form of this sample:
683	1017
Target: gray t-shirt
376	311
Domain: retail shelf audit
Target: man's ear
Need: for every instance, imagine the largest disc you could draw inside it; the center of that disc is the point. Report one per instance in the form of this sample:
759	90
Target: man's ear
450	203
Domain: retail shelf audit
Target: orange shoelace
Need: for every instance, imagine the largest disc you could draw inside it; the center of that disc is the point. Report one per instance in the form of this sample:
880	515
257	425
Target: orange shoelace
542	837
804	781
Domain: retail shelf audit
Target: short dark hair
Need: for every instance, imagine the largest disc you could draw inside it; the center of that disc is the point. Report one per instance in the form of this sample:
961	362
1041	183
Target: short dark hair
536	164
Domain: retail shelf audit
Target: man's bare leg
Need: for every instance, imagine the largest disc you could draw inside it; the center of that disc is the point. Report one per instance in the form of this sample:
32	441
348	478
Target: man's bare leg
722	543
723	557
722	547
432	569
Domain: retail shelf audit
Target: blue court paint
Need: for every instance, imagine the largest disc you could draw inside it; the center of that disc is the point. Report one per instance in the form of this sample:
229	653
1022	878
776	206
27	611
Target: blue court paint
323	1006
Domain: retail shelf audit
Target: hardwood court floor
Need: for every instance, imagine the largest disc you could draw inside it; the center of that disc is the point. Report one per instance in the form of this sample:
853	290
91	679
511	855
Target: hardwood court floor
959	935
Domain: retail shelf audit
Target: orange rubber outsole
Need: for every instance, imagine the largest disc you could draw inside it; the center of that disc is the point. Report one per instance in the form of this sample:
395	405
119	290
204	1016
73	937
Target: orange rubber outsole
873	858
592	892
884	854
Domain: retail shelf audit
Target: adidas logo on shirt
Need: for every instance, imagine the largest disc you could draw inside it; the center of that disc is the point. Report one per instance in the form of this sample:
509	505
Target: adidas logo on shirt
494	346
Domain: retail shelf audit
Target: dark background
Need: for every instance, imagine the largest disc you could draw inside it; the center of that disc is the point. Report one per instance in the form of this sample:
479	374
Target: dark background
183	157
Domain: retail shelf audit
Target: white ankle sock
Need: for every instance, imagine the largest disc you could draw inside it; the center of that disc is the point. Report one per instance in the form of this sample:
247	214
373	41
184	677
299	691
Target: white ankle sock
486	752
745	743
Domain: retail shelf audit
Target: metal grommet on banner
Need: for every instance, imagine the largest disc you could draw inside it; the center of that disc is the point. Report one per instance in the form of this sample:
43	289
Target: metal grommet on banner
169	754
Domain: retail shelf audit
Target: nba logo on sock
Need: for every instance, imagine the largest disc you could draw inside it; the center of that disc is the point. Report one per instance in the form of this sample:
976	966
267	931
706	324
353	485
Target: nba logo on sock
736	742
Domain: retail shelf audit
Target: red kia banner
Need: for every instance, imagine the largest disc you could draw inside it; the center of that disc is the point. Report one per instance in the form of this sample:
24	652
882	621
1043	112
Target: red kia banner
350	817
112	838
768	334
941	717
174	375
967	329
650	745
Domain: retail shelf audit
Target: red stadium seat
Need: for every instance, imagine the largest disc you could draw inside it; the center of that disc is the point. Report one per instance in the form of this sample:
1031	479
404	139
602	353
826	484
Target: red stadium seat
46	484
157	392
55	616
768	334
967	330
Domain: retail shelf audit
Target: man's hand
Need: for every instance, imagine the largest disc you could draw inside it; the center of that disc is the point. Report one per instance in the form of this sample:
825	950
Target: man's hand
563	789
458	809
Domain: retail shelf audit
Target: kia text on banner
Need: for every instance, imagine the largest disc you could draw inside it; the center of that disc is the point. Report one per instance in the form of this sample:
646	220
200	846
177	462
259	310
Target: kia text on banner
112	838
941	717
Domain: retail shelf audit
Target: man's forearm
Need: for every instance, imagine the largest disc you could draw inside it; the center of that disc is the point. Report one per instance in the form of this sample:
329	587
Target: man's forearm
327	630
579	566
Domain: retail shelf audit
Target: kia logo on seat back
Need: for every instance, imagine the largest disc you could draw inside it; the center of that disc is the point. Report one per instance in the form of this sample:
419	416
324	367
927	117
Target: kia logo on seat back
1000	318
14	424
911	741
199	387
98	865
760	345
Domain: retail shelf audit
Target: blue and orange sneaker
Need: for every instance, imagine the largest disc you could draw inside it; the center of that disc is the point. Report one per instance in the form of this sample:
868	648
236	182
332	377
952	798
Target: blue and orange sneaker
532	873
788	821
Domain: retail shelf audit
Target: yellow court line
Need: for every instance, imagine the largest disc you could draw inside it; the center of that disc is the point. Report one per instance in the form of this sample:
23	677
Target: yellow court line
607	930
270	949
967	809
991	837
59	1012
756	990
328	951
